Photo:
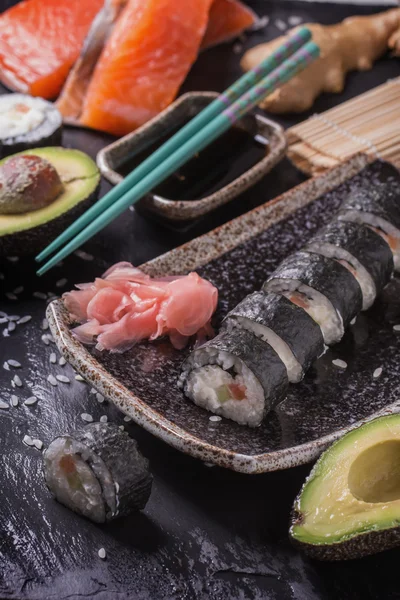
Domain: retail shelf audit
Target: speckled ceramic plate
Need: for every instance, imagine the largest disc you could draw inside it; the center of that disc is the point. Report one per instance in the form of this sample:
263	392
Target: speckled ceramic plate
237	257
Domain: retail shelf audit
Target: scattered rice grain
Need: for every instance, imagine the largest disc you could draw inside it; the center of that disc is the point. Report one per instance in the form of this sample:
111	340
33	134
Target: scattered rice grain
6	333
14	317
339	363
86	417
53	358
14	401
38	444
24	319
353	321
281	25
2	276
260	23
294	20
45	339
6	366
11	326
396	327
116	487
45	324
4	405
30	401
121	427
17	380
11	296
103	419
215	418
99	398
39	295
63	378
61	282
52	380
14	363
79	378
62	361
3	320
102	553
13	259
83	255
377	373
237	48
93	391
28	440
18	290
127	419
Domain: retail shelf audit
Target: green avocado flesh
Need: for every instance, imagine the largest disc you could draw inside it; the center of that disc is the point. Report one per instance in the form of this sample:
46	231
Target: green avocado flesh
350	504
33	230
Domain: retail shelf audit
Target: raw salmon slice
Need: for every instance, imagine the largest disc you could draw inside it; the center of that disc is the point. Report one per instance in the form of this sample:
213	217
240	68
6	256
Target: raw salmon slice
228	19
147	57
39	42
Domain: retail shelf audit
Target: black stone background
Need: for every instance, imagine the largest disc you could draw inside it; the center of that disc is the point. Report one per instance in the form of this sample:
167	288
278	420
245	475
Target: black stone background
206	532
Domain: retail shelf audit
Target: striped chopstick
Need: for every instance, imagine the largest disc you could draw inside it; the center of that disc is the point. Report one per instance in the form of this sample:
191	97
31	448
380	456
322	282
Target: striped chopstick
242	85
304	56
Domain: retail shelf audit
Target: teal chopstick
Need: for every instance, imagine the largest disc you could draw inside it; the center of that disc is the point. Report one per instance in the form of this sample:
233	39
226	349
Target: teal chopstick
299	61
242	85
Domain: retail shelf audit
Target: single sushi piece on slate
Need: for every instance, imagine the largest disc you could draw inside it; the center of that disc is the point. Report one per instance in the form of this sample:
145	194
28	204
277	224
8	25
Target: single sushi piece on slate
361	250
235	375
292	333
322	287
98	472
27	122
376	202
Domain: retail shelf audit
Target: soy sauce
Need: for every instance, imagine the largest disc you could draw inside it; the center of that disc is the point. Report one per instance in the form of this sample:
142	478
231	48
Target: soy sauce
225	159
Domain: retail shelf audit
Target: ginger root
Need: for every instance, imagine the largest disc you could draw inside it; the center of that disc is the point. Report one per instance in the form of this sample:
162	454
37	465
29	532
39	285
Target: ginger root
353	44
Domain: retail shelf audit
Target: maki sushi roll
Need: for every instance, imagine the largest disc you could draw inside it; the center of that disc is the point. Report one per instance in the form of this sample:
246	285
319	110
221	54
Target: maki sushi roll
98	472
325	289
361	250
235	375
292	333
376	203
27	122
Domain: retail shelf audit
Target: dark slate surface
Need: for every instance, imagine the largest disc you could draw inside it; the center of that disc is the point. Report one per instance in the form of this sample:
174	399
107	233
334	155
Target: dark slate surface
206	533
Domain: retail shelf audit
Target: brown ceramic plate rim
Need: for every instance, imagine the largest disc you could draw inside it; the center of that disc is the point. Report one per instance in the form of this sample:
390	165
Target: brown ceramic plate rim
186	257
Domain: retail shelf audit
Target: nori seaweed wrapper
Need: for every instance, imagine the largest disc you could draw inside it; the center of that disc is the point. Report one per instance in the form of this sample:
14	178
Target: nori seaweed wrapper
367	246
128	468
290	322
376	190
258	356
326	276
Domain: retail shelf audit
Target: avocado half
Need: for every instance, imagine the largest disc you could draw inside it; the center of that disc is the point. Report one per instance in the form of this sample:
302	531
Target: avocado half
28	233
349	506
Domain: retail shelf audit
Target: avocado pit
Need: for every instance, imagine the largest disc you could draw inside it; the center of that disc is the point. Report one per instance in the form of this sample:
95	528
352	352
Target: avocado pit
27	183
375	474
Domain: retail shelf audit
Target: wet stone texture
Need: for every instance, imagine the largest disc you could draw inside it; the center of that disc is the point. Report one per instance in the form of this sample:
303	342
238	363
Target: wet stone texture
206	533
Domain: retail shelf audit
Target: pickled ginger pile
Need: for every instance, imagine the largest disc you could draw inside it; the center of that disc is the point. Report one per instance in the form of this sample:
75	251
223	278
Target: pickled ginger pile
126	306
114	64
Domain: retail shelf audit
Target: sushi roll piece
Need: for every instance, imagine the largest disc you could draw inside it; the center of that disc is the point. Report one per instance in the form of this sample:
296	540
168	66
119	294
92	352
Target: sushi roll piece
325	289
376	203
27	122
98	472
235	375
293	334
361	250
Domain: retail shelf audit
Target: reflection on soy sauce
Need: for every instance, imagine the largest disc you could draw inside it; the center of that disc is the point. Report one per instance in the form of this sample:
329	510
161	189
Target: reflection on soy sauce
223	161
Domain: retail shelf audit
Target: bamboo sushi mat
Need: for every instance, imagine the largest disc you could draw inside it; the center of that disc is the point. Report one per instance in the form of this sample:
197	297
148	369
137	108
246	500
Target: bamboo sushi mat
369	123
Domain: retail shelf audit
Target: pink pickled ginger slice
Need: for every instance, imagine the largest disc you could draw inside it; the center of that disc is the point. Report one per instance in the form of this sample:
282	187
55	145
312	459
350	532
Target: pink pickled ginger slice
126	306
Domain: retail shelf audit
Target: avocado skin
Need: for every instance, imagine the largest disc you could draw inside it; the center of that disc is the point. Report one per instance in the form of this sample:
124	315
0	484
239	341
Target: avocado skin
33	240
362	544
